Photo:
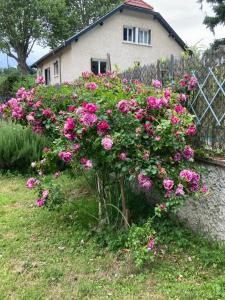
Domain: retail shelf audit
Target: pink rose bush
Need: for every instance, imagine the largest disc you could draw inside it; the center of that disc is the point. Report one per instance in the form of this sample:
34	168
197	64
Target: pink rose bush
106	125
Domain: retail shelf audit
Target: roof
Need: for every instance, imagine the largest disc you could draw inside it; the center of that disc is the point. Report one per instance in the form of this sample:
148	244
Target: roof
138	3
128	5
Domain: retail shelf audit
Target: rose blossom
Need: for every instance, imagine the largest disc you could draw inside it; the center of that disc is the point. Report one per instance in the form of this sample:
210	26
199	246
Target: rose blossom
168	184
178	156
45	194
188	153
179	109
182	97
71	108
123	106
180	190
40	80
205	189
162	206
91	86
175	120
157	84
88	119
76	147
191	130
167	93
40	202
154	103
102	127
107	143
69	125
123	156
144	181
187	175
150	245
91	107
146	155
87	163
46	112
31	183
65	156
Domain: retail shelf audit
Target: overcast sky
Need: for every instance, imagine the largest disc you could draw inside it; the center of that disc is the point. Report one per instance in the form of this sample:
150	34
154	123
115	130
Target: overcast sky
185	17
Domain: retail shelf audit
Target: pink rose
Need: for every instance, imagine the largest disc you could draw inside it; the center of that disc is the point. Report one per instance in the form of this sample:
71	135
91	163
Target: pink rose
123	156
168	184
31	183
144	181
91	107
123	106
65	156
175	120
157	84
179	109
102	127
40	202
107	143
91	86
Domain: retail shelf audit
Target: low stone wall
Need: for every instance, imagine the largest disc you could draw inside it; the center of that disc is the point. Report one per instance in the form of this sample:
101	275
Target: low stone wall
207	215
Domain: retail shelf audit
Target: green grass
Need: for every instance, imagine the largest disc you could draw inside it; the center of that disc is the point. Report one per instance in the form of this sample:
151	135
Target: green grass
55	255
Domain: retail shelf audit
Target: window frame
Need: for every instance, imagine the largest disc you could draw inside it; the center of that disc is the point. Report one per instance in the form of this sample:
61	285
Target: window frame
135	35
99	61
56	63
144	30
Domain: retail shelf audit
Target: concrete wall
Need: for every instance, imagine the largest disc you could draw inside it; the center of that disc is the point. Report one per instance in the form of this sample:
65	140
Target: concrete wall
207	214
108	38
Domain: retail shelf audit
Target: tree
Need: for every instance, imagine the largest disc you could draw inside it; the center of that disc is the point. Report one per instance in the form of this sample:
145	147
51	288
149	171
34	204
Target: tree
22	23
82	13
47	22
218	7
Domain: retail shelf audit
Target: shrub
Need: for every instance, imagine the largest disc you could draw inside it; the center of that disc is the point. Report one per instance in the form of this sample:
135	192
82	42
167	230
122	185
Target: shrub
10	81
19	146
124	131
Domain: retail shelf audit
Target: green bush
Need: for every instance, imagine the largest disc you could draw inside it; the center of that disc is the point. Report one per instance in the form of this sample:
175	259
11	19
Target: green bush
19	146
11	80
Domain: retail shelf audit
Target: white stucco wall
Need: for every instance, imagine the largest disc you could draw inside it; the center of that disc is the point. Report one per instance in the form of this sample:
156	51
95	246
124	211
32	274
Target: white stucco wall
108	38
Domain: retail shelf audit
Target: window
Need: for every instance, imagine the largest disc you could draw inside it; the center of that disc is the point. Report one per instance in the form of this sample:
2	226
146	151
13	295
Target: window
47	76
129	34
56	68
98	66
144	37
136	35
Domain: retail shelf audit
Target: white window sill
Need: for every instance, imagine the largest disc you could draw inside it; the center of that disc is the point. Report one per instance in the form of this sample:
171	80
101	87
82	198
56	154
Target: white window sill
56	75
137	44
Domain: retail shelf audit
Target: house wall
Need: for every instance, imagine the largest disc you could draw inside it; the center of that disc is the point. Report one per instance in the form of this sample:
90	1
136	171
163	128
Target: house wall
108	38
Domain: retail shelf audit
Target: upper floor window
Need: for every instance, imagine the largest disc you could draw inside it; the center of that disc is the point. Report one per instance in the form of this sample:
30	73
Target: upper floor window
144	36
136	35
56	68
129	34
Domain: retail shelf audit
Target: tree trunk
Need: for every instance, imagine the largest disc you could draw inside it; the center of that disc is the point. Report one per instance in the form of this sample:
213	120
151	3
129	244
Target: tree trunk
22	66
22	61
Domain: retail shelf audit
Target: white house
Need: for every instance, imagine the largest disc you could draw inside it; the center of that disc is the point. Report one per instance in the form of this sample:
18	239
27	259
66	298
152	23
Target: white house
131	33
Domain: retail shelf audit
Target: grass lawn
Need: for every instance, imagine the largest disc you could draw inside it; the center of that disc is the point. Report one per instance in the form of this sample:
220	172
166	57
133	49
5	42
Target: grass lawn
53	255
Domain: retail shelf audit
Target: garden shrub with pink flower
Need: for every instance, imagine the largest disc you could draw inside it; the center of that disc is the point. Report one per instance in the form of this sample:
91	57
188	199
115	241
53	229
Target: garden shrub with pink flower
121	132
